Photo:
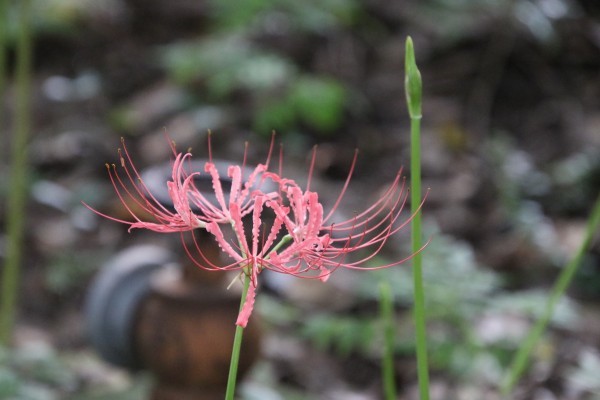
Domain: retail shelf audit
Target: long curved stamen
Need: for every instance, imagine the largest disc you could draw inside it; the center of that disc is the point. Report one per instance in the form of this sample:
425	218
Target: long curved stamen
346	183
312	167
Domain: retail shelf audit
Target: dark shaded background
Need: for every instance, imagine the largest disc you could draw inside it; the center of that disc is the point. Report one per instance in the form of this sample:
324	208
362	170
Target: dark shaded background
511	154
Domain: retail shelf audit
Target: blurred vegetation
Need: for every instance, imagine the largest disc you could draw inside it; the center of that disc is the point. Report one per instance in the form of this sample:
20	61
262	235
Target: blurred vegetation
284	97
38	372
66	271
310	16
460	294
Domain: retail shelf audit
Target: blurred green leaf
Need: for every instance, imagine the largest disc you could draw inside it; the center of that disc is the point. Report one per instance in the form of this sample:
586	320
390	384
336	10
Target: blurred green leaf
314	16
36	371
264	72
277	312
226	63
449	294
532	303
9	384
276	114
68	270
214	59
319	102
342	334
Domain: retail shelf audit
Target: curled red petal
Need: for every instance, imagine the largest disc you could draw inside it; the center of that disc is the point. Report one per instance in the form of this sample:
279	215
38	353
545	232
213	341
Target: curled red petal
248	306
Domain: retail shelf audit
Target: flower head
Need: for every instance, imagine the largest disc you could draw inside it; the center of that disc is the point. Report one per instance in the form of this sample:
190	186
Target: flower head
288	233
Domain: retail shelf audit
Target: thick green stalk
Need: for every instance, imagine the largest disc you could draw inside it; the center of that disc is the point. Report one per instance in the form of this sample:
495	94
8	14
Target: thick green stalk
237	345
386	305
413	88
18	178
519	362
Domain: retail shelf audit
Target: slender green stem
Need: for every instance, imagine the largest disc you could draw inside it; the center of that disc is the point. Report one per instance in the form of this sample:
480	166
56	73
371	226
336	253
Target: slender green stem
7	303
237	345
519	362
419	292
284	240
18	178
387	317
3	36
239	331
413	87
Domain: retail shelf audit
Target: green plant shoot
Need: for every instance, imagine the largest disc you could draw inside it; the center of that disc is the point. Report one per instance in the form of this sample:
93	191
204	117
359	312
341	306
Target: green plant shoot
386	305
413	88
18	177
521	358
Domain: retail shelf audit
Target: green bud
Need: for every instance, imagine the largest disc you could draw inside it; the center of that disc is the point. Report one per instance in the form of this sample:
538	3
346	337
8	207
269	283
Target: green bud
412	82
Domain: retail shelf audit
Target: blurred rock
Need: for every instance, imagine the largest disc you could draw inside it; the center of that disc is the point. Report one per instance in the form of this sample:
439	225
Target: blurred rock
498	328
51	194
62	89
72	149
55	234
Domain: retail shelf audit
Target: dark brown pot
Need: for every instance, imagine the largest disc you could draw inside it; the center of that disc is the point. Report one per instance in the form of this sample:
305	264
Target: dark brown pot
184	335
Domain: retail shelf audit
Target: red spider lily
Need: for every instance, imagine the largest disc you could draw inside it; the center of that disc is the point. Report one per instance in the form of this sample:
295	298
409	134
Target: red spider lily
298	239
185	196
136	195
317	248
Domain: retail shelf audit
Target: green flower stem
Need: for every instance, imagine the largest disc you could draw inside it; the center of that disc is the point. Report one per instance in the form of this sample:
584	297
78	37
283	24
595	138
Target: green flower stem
18	178
7	304
3	61
237	345
284	240
519	362
386	305
239	331
413	87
